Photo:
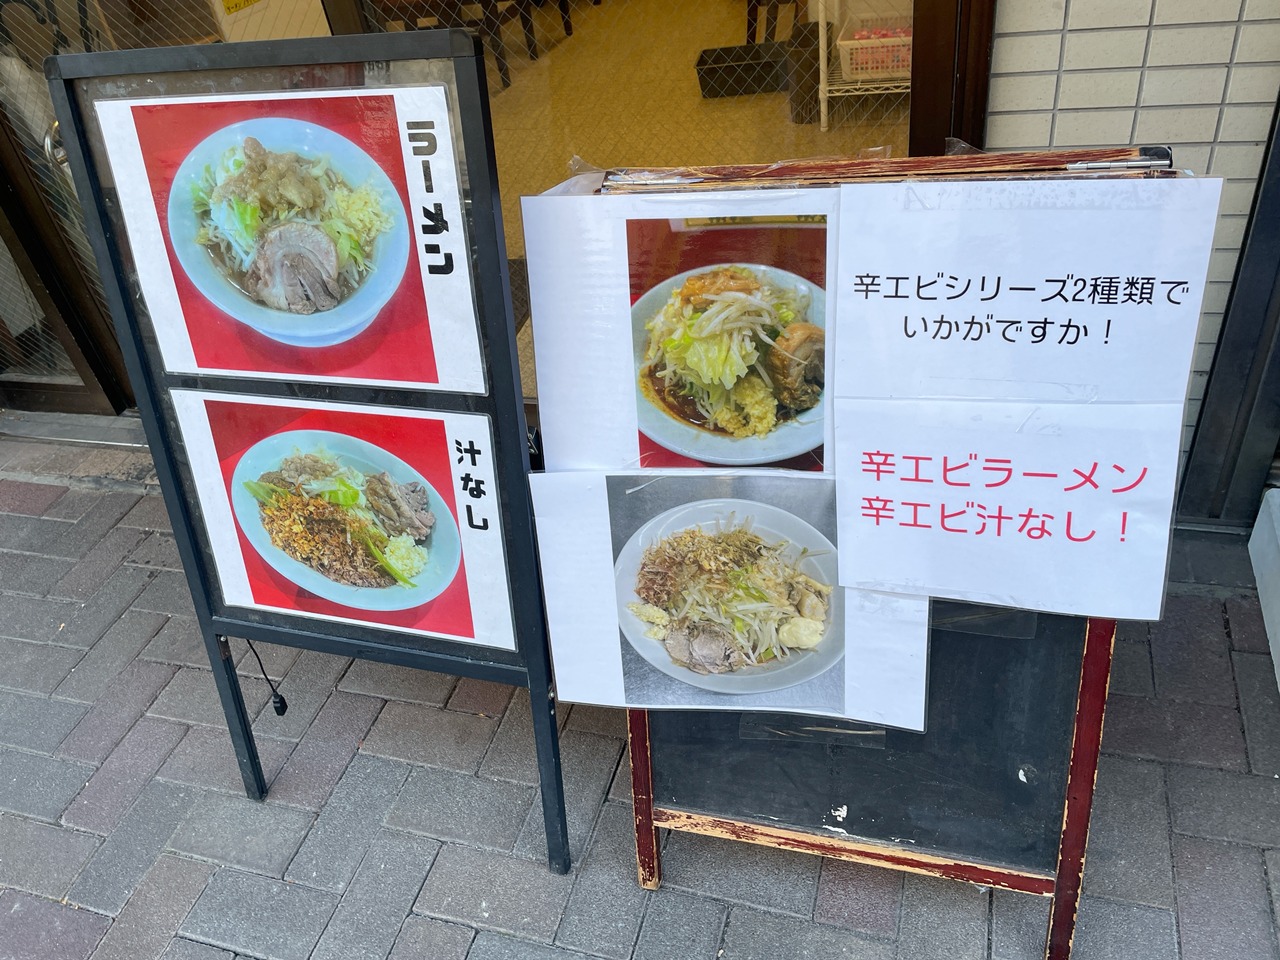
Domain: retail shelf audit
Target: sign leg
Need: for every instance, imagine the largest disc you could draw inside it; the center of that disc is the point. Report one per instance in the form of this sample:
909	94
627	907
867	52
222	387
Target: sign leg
546	737
648	853
1082	775
224	675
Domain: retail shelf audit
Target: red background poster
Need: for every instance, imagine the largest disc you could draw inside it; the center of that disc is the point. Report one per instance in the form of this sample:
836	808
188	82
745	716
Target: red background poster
421	443
396	346
656	252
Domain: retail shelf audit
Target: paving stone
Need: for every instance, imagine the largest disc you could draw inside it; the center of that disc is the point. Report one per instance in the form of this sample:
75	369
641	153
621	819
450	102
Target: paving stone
1260	709
606	904
1019	925
179	642
80	537
430	735
1190	654
30	457
98	463
148	921
677	927
367	921
605	721
276	659
422	938
1244	619
754	935
116	784
72	505
1272	860
64	459
461	807
1223	909
324	751
39	786
1225	806
149	513
96	673
108	720
39	858
157	551
484	697
32	499
1128	856
36	929
859	897
306	687
392	682
19	532
92	571
347	824
1106	930
1131	669
36	723
112	874
258	916
741	873
205	758
239	832
167	593
107	605
190	950
942	919
512	756
1175	731
587	765
495	891
31	574
620	788
495	946
35	667
34	618
192	697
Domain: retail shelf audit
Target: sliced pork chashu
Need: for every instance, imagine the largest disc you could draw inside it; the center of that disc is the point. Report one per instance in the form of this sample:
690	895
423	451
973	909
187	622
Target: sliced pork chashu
295	268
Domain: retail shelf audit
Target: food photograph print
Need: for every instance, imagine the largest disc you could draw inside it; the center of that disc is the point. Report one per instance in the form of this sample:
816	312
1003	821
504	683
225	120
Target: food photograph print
727	592
277	235
728	324
352	514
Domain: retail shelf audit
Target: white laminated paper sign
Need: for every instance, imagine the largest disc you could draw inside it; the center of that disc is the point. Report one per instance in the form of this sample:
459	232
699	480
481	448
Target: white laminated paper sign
602	273
1055	507
1065	291
603	541
1013	360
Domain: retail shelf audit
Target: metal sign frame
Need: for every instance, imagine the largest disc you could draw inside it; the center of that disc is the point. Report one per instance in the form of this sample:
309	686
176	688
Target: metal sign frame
314	64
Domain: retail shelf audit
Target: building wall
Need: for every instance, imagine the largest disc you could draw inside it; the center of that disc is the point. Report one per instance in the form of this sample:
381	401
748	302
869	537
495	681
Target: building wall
1199	75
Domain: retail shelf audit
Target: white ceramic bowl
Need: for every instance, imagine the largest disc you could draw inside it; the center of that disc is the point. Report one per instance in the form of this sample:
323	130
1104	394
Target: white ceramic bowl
327	327
771	523
788	439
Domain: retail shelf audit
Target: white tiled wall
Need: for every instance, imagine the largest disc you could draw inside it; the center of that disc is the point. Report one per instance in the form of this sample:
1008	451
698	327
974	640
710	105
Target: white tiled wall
1199	75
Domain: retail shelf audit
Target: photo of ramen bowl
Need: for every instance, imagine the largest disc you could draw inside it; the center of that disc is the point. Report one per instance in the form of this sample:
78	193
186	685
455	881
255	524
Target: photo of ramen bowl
290	229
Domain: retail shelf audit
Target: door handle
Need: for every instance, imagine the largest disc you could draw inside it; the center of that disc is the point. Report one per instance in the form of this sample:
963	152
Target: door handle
53	150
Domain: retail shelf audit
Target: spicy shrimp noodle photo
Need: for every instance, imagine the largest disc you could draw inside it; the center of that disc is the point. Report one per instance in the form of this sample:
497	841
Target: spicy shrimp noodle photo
730	595
730	364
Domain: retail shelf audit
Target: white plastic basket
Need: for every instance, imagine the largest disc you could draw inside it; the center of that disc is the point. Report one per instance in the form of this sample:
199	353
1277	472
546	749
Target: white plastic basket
876	48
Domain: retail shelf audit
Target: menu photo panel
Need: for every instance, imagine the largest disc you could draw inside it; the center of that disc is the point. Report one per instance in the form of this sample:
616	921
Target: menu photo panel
316	236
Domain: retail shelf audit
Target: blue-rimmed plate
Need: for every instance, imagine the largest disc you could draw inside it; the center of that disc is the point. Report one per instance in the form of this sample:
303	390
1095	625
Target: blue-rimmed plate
444	548
324	328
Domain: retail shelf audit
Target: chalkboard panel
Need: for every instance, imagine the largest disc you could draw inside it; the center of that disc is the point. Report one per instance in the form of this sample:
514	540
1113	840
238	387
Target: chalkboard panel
985	783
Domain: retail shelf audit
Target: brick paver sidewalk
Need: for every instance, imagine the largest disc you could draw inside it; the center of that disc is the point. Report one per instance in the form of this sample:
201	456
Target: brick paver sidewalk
403	819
